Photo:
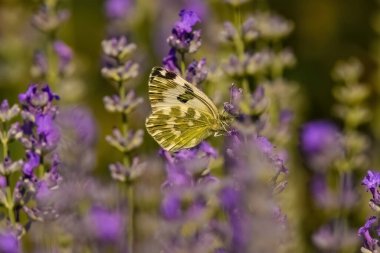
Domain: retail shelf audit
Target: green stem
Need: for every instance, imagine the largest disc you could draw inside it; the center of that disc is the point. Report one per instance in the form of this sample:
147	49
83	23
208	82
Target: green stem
124	116
126	163
5	148
4	140
10	204
277	70
8	191
131	224
183	64
41	171
52	72
239	44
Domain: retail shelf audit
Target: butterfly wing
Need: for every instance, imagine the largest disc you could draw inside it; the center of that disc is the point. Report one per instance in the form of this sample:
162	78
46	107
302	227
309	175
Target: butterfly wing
168	88
178	127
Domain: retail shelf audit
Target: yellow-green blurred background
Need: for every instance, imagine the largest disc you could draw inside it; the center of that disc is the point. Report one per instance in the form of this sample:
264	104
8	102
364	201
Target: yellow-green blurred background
325	31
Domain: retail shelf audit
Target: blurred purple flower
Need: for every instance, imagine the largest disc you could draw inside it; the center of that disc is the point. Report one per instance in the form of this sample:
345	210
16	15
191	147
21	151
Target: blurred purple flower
64	54
80	121
171	207
198	6
9	243
183	165
3	182
286	116
251	162
188	198
332	199
117	9
40	65
48	130
105	225
317	136
334	236
233	107
321	143
197	72
31	163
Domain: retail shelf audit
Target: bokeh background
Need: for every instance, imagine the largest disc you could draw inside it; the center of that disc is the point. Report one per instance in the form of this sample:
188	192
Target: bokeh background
325	32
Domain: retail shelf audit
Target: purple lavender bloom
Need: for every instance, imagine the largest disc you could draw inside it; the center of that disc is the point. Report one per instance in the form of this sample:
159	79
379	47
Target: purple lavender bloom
117	9
198	6
187	21
8	113
32	162
37	99
176	173
9	243
233	107
47	130
183	166
372	183
321	143
106	226
170	61
369	242
184	39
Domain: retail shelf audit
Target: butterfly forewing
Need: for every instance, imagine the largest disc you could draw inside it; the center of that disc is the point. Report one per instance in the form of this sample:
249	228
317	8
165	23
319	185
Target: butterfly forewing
168	88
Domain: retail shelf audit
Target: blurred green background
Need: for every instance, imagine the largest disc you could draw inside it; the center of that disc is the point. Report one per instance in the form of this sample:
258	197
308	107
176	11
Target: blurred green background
325	31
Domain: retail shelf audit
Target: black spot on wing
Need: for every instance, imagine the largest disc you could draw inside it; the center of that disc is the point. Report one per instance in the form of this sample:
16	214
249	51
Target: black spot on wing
188	88
189	94
170	75
156	72
183	98
162	73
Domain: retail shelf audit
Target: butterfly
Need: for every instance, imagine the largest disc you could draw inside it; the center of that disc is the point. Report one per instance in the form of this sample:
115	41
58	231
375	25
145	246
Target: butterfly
182	115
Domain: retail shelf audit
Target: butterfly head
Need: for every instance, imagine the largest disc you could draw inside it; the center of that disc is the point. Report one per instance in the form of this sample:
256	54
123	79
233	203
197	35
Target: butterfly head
222	126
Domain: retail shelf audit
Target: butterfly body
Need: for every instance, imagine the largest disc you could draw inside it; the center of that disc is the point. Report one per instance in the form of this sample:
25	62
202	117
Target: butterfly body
182	115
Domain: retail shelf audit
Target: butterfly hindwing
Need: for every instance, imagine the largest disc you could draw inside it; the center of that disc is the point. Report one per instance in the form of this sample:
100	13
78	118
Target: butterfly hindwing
168	88
178	127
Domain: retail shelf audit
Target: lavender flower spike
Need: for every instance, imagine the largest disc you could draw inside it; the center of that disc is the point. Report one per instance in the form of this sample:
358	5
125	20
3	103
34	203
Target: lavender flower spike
33	161
372	183
37	99
184	39
369	242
